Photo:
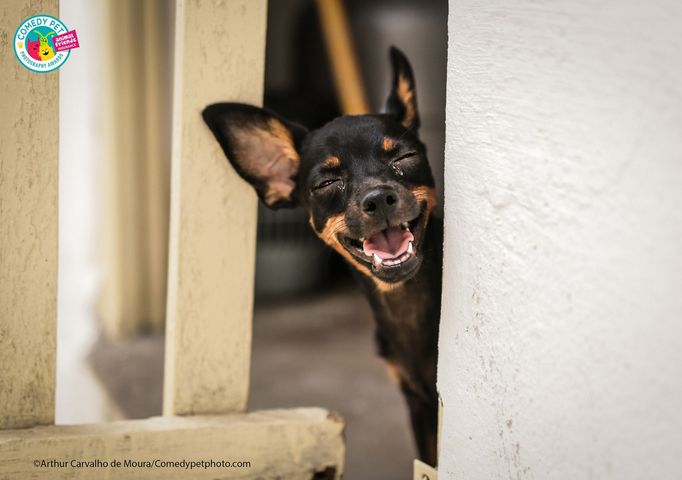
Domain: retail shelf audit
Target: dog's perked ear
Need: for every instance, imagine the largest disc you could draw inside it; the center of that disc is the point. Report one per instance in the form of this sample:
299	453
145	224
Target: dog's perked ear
262	147
402	101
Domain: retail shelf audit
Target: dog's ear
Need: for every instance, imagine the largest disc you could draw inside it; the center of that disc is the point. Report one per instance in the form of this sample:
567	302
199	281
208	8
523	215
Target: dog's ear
402	101
262	147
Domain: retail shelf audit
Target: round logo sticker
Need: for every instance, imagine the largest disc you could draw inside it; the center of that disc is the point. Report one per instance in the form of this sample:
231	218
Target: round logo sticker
34	43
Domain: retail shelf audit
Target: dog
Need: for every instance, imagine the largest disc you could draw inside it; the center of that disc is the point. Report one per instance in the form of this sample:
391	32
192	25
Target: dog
367	188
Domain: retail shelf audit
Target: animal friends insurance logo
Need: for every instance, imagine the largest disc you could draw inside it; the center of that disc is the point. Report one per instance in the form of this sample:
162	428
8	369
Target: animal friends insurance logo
42	43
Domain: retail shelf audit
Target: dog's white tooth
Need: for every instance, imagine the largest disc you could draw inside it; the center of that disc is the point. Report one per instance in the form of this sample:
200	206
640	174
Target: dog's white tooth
410	248
362	239
377	260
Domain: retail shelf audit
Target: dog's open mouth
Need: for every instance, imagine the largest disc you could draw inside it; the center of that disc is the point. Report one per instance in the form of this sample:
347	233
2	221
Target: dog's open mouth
390	249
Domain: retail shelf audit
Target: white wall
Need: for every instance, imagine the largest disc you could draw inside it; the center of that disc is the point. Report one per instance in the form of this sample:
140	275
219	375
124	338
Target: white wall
561	337
80	397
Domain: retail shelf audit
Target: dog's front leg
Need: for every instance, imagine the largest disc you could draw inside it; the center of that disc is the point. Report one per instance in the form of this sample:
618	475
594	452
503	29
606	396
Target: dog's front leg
424	418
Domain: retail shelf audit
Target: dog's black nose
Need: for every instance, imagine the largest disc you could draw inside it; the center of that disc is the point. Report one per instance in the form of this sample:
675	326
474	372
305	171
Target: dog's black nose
381	201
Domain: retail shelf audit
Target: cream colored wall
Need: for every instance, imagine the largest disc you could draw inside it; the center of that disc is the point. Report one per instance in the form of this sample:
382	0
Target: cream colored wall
29	128
560	351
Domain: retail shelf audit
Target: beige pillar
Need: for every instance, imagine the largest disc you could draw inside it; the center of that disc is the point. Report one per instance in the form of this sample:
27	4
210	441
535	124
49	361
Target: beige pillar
219	56
29	132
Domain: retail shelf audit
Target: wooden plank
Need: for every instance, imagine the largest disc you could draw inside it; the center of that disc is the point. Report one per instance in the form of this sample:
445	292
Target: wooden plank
29	141
291	444
220	51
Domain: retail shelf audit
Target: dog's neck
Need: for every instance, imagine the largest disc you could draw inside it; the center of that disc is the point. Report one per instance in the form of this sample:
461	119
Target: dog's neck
407	316
416	300
407	336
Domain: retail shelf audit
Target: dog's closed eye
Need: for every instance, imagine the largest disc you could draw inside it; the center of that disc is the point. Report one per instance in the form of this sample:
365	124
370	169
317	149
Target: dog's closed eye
326	183
405	156
400	163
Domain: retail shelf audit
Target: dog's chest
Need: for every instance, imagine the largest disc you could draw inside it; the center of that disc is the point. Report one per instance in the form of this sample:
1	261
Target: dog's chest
407	318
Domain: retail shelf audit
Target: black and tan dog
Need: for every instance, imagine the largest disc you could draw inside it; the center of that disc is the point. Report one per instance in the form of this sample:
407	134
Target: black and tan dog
367	186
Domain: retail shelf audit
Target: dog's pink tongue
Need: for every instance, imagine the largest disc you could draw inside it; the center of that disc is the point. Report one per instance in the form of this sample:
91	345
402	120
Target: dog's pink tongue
389	243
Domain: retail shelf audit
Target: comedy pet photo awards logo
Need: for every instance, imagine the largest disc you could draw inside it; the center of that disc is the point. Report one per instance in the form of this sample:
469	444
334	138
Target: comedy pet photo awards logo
42	43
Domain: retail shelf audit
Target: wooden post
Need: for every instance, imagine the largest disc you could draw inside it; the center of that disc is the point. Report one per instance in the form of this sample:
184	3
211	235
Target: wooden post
29	140
219	56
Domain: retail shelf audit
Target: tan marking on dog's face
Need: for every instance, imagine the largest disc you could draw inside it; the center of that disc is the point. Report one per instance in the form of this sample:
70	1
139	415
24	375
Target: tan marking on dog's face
333	226
331	162
336	225
427	194
406	95
388	144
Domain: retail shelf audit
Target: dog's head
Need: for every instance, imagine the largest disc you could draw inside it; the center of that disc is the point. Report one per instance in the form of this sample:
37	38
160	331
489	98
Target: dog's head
364	179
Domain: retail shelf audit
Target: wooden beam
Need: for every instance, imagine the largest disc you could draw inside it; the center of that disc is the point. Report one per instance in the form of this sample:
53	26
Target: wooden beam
339	41
220	54
29	142
292	444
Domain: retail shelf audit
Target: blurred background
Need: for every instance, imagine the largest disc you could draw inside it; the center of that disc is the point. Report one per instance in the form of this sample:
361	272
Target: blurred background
313	331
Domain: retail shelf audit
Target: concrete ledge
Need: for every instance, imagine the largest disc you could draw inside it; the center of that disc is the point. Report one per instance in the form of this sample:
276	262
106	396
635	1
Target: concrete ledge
301	443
